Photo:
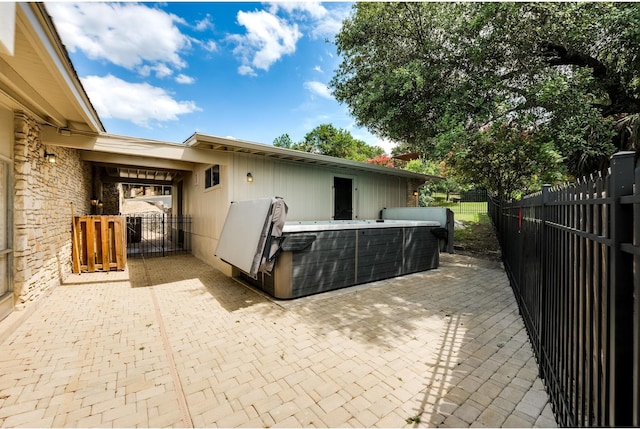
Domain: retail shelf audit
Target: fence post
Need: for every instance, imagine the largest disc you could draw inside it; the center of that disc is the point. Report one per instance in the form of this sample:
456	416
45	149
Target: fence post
636	309
543	281
620	293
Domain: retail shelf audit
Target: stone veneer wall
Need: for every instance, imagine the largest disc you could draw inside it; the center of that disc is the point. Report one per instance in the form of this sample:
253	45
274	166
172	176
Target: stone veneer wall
111	198
42	211
412	185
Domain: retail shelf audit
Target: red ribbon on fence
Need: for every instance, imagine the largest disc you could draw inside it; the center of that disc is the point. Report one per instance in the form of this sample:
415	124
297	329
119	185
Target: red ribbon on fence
519	218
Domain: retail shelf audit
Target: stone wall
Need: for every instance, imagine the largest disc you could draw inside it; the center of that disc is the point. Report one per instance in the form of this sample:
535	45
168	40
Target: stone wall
412	186
111	195
42	210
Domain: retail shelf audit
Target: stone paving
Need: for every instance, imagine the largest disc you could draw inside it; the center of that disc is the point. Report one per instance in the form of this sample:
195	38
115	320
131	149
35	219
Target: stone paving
173	342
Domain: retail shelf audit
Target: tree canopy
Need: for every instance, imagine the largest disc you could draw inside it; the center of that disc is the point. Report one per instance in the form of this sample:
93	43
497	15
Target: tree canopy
433	76
328	140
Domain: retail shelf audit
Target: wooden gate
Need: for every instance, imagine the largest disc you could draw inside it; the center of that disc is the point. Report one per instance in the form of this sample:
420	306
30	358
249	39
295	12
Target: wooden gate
99	243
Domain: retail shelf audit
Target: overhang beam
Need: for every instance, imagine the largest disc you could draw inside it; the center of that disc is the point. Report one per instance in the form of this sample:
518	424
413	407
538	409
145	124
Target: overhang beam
135	161
148	150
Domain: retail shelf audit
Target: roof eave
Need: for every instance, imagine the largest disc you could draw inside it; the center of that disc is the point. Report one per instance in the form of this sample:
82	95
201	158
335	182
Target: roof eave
44	28
217	143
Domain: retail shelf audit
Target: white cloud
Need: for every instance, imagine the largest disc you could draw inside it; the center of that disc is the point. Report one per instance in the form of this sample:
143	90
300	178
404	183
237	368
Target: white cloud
314	9
209	46
130	35
329	26
204	24
161	70
318	69
323	22
318	88
246	71
139	103
183	78
268	38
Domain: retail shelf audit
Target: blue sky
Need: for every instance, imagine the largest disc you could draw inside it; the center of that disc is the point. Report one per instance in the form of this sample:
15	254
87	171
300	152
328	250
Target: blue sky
252	71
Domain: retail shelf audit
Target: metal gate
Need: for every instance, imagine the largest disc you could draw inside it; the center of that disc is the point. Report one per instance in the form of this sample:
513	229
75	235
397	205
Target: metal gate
158	234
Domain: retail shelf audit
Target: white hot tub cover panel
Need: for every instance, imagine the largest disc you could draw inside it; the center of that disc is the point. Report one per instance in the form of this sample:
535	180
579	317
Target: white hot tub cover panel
438	214
244	233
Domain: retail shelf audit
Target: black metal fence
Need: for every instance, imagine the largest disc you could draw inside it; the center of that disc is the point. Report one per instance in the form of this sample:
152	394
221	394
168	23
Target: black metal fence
158	234
572	254
468	202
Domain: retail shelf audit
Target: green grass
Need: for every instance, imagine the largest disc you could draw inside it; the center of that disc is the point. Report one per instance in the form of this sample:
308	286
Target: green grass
458	207
478	237
469	217
466	210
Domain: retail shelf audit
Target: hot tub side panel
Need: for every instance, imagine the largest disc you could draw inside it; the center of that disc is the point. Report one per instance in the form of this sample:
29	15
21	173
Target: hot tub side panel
343	258
329	263
421	250
379	254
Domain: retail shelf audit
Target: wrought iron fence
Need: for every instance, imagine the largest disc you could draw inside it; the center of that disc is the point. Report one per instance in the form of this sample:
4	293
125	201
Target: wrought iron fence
158	234
469	202
572	253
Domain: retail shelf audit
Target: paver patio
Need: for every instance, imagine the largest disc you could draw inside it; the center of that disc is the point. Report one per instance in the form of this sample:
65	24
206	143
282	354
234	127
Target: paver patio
173	342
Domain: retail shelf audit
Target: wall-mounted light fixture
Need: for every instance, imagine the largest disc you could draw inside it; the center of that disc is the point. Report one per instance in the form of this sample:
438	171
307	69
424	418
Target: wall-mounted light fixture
415	193
94	205
249	178
50	157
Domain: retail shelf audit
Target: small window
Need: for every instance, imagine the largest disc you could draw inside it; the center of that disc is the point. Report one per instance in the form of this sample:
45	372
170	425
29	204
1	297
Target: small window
212	176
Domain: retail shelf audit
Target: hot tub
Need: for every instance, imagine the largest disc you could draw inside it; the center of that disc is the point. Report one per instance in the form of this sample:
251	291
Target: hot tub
295	259
326	255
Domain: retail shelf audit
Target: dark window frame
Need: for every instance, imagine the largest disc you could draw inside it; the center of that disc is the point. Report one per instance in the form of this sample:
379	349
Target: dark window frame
212	176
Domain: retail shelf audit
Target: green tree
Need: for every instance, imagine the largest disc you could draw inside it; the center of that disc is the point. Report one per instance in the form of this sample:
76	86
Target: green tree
505	160
283	141
325	139
430	75
448	184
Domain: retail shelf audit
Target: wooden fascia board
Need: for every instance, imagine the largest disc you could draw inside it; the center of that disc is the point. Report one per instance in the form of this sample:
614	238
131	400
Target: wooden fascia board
13	86
135	161
229	145
40	31
105	143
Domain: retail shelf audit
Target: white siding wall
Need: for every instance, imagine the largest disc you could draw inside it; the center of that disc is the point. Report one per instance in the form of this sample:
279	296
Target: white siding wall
306	189
379	192
208	208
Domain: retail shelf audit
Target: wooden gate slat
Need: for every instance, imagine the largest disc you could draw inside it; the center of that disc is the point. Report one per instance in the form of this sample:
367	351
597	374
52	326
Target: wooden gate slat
119	231
101	243
104	224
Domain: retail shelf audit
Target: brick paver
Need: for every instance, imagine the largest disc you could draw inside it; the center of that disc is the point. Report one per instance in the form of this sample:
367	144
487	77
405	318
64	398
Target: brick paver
173	342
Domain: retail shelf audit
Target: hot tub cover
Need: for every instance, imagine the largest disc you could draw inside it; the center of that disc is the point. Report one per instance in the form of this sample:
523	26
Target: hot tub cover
251	234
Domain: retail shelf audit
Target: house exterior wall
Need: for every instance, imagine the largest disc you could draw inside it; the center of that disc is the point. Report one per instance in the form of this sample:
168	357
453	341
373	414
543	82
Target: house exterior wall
307	190
42	211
